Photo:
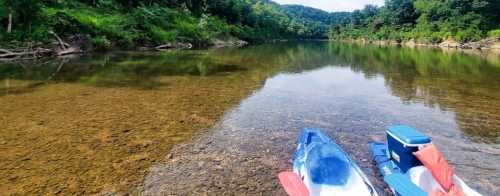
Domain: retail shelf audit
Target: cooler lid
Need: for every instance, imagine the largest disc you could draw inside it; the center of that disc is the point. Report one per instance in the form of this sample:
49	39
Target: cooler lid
408	135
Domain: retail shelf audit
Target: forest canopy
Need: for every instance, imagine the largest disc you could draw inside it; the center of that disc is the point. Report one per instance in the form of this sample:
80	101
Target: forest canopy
425	20
140	22
128	23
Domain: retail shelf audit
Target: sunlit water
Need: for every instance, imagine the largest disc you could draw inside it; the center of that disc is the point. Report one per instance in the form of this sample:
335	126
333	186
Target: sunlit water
272	91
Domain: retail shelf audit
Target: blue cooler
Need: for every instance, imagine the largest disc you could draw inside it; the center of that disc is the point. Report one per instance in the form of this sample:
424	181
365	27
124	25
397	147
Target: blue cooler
402	141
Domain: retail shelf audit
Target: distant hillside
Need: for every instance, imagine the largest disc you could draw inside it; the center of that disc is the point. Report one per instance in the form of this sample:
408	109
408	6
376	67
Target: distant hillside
422	21
312	22
304	13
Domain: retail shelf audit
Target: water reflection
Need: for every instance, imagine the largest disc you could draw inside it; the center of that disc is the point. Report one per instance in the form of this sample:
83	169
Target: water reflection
467	85
116	69
354	91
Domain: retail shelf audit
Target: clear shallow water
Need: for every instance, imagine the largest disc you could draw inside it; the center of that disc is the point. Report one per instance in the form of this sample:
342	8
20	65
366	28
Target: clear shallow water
353	93
254	101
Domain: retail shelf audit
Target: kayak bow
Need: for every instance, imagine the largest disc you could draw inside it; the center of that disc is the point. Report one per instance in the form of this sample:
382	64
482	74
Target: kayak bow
325	169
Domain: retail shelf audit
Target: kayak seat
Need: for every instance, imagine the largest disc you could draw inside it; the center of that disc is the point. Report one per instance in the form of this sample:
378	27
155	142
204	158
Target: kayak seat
327	164
402	185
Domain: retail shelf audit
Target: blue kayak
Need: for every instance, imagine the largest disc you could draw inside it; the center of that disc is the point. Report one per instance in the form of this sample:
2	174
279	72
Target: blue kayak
326	169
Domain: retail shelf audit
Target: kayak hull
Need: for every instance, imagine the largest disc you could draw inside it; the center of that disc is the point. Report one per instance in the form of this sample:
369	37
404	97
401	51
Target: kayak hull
325	167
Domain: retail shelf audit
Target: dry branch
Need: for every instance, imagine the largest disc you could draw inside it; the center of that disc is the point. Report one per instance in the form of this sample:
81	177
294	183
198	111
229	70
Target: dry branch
65	47
62	44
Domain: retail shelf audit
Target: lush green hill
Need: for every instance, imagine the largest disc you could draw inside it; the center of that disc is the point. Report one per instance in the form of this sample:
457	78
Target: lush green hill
132	23
307	21
128	23
428	21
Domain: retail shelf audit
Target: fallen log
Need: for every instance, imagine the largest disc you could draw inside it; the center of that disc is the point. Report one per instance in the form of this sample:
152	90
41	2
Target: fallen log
70	50
62	44
6	53
9	55
65	48
175	45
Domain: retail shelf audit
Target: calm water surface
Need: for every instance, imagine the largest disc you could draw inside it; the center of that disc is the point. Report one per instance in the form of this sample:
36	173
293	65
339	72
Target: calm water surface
129	109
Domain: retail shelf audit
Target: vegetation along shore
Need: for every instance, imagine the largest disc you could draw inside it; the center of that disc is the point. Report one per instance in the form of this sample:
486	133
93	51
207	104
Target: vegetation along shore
33	28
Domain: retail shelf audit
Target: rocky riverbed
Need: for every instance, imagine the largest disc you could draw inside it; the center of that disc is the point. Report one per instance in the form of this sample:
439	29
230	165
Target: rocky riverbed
256	140
225	121
491	44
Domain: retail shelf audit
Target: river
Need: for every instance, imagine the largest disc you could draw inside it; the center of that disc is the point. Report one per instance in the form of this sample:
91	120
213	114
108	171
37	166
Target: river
225	121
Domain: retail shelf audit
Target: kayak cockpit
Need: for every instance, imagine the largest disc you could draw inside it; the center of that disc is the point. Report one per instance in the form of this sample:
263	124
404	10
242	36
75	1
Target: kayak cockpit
327	165
326	169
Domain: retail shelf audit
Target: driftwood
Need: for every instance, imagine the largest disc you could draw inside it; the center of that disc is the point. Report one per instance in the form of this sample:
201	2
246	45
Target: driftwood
62	44
65	48
33	53
70	50
175	45
30	52
6	53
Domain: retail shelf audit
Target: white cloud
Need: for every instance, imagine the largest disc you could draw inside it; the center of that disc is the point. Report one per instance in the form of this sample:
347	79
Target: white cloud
333	5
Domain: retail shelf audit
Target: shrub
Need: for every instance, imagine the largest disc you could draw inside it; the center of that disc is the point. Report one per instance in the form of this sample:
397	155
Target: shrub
494	33
218	27
101	43
435	38
160	36
467	35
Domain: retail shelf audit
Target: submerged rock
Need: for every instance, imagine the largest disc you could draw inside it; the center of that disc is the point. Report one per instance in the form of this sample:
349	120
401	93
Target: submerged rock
449	43
491	43
473	45
411	43
484	44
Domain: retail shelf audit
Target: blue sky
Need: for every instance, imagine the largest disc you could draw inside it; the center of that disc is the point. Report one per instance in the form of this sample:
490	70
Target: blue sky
333	5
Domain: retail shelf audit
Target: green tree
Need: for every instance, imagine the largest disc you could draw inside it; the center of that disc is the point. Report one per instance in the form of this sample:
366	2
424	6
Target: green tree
400	12
21	13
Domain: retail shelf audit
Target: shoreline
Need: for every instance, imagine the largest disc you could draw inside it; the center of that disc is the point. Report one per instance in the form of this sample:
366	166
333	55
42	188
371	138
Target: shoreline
31	52
484	46
81	45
